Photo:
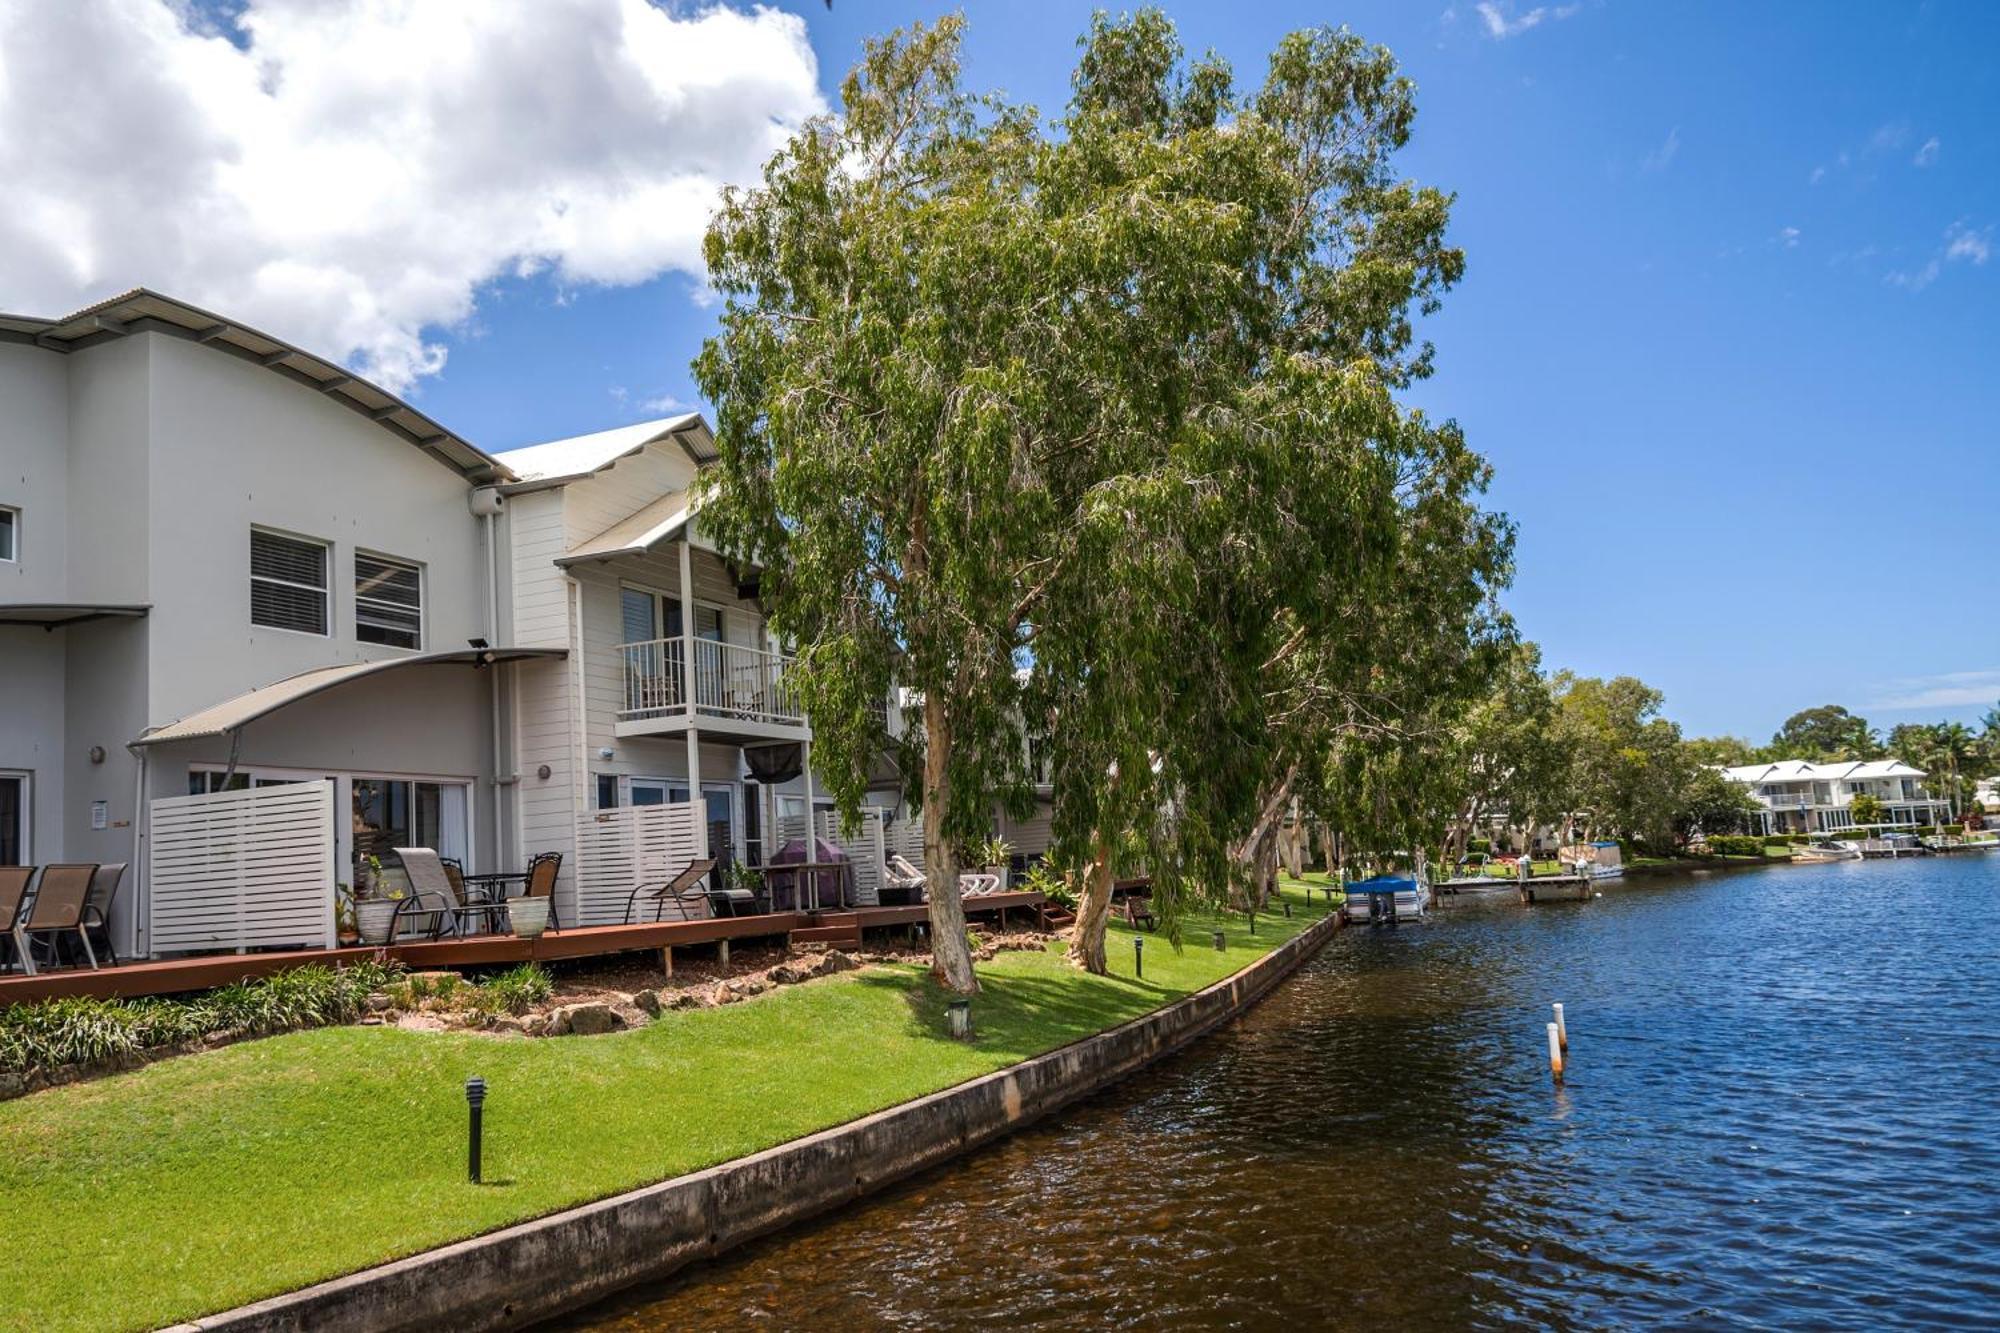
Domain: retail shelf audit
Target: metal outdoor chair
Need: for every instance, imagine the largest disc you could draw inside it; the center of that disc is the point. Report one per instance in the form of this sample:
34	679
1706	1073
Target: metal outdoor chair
14	881
56	911
433	898
97	908
544	869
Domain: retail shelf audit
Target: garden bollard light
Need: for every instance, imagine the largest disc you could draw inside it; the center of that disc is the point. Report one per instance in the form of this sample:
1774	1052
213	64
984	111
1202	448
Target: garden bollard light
1138	955
475	1097
960	1012
1288	909
1253	921
1221	942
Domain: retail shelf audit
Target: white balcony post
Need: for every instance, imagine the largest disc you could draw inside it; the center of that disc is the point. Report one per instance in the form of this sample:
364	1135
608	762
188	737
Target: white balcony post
687	627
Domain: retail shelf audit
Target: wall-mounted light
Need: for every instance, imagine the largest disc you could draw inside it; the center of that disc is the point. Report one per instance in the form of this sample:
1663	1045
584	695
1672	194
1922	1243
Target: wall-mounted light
606	752
97	754
543	772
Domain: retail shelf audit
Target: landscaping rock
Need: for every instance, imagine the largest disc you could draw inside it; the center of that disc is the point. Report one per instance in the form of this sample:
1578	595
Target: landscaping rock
376	1003
588	1020
686	999
507	1023
647	1002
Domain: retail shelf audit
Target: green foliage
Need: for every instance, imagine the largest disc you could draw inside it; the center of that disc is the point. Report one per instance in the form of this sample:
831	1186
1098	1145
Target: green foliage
516	990
55	1034
1042	878
1866	809
1726	844
1722	751
1824	733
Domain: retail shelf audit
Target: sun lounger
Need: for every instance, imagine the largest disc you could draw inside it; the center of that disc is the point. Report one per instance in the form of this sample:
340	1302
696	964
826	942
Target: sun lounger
14	881
97	908
680	895
434	900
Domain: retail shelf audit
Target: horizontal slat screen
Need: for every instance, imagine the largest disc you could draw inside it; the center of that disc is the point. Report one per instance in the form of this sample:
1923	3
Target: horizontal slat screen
623	849
242	869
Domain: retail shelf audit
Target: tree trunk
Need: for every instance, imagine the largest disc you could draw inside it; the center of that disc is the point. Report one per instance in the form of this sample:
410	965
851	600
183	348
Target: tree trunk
1093	913
1328	850
951	957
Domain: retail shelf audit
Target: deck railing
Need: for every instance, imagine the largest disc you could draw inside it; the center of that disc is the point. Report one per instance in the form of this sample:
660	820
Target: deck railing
730	680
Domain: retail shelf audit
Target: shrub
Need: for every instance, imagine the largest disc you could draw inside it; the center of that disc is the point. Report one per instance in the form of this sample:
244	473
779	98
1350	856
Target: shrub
57	1034
514	991
1479	847
1729	844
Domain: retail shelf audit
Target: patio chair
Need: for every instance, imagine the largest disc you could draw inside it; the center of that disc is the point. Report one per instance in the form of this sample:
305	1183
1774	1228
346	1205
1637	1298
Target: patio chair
978	885
433	899
544	869
97	908
1139	912
690	902
902	883
57	910
14	881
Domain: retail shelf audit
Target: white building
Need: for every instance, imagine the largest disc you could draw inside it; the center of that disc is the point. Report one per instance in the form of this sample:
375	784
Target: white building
229	565
1802	797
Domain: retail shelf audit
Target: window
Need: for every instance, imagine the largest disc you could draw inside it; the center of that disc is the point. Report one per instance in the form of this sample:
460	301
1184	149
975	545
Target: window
607	791
10	533
288	583
388	601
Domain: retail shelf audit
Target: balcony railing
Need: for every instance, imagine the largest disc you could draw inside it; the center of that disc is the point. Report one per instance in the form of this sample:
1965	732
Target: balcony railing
730	680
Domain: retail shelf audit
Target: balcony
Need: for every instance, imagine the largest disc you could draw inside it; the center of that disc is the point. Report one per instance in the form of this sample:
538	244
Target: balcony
738	690
1784	800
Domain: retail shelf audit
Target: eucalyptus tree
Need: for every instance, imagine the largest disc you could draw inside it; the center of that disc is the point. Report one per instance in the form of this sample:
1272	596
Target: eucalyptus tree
1273	553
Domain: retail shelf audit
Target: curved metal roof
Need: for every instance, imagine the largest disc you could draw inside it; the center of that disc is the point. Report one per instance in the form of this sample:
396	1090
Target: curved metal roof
231	714
144	311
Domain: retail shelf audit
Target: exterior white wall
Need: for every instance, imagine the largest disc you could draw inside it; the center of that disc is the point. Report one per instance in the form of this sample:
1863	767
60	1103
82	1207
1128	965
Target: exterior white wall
105	698
31	728
235	447
108	472
34	478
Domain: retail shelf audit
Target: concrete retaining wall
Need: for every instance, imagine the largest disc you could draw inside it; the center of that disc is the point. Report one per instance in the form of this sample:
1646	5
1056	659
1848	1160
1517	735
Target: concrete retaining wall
528	1272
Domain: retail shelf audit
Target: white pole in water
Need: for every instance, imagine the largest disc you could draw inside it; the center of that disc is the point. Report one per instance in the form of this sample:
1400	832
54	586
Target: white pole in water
1555	1054
1562	1028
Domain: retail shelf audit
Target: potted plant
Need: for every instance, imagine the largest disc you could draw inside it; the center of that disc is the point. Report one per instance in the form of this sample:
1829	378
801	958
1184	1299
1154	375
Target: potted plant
344	929
994	855
528	916
375	904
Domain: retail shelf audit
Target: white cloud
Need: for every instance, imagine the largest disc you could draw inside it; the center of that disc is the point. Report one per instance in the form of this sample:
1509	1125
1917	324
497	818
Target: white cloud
1950	689
664	404
1963	244
1928	154
1789	236
351	173
1663	156
1501	21
1818	175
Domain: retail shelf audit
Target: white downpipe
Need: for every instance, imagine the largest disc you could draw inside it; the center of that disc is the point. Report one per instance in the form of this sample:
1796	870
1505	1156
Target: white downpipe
493	637
142	882
695	792
582	712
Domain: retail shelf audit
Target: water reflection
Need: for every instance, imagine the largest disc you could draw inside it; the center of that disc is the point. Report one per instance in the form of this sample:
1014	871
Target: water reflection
1779	1110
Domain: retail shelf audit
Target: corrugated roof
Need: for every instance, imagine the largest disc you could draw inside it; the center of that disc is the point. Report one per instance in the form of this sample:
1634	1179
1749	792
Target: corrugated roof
145	311
1800	770
539	466
230	714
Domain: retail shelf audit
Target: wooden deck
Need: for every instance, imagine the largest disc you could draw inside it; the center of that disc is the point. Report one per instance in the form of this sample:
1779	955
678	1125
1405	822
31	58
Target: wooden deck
174	975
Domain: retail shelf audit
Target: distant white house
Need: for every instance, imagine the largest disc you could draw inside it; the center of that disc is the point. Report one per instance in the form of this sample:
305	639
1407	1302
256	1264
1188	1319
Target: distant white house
1802	797
1988	793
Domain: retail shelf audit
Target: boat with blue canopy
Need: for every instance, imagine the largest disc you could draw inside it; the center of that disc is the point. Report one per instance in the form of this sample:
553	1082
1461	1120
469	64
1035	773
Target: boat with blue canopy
1385	899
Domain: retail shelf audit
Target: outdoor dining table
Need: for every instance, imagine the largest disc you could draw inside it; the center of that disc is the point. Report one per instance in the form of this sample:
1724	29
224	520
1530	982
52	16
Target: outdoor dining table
492	886
813	869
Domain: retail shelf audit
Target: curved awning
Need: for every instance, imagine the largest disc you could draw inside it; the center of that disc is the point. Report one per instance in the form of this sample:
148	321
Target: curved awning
231	714
55	615
635	534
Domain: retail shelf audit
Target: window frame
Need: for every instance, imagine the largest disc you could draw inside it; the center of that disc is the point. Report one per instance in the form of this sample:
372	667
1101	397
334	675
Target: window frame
12	555
325	590
423	598
25	832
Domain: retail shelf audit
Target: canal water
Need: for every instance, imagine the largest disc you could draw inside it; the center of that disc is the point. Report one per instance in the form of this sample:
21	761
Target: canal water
1782	1110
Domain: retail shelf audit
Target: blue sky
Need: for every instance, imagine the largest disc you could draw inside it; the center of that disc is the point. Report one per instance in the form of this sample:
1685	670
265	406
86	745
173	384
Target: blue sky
1730	331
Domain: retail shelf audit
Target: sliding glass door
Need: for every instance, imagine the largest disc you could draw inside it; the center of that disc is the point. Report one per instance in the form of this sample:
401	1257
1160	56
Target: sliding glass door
13	819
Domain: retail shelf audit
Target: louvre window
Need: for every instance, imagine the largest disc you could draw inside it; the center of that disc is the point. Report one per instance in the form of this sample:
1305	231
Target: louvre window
288	585
10	527
388	601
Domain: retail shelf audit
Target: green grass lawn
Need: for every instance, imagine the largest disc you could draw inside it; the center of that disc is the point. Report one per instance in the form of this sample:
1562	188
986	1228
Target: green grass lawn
205	1181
